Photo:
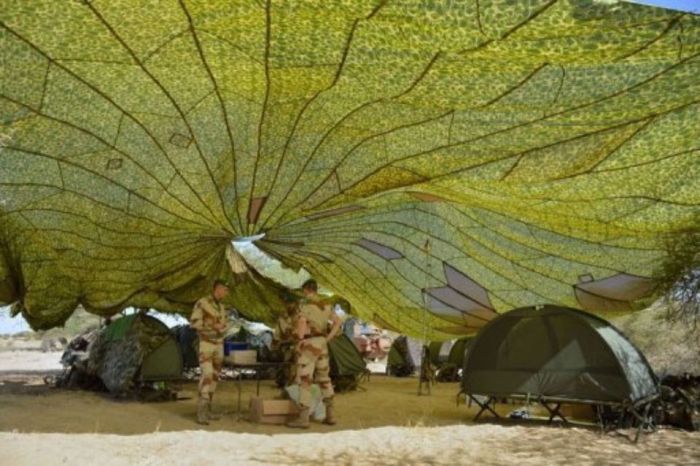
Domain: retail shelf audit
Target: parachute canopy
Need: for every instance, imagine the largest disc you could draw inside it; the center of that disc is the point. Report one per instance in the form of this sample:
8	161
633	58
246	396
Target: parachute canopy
436	163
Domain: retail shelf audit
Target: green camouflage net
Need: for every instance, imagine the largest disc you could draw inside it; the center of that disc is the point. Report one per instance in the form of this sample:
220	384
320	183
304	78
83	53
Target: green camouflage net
434	162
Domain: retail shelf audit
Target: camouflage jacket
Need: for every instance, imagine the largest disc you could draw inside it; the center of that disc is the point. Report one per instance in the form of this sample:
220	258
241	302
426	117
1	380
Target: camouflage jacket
206	316
318	314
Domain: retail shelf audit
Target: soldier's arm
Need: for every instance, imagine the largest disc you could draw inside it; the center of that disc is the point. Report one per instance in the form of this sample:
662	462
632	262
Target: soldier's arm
197	317
300	328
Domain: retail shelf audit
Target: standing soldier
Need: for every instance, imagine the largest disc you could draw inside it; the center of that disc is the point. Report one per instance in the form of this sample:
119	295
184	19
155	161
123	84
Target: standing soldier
209	319
316	325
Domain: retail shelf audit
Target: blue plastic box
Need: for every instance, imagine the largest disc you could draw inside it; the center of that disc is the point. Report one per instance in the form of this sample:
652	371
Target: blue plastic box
234	346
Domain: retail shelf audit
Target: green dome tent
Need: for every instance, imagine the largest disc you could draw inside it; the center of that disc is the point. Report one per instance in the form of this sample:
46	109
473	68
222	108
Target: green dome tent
135	350
440	352
459	351
404	357
557	353
450	368
436	163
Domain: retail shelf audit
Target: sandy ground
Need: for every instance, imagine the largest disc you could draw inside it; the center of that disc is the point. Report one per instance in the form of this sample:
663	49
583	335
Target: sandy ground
385	424
28	405
11	361
483	444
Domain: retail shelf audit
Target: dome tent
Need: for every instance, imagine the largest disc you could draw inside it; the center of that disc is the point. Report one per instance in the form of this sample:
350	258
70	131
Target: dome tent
405	357
557	354
459	351
450	370
440	352
133	350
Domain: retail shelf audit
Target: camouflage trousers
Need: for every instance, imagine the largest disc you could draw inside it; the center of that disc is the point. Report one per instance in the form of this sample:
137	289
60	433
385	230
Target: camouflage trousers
312	365
211	359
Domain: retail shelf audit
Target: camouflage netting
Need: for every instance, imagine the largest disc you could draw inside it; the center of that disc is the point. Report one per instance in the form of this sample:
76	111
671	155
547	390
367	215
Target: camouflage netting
465	157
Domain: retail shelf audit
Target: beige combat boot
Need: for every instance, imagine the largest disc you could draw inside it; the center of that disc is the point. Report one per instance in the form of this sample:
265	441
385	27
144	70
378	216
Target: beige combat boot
330	418
302	420
211	415
202	408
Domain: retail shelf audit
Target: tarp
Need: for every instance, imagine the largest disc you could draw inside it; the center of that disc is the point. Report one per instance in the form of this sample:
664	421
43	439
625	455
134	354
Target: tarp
468	157
556	352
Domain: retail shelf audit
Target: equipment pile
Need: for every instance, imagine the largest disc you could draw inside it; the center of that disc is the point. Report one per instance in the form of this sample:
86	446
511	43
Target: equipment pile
679	404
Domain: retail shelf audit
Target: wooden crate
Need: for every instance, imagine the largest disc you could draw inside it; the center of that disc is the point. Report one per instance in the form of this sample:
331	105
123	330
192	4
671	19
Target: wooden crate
272	411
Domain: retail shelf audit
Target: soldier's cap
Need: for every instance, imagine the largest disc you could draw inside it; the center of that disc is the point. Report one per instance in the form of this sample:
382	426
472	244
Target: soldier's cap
222	282
310	283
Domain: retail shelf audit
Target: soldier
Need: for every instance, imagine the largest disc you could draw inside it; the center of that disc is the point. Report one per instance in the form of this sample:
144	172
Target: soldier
312	333
284	341
209	319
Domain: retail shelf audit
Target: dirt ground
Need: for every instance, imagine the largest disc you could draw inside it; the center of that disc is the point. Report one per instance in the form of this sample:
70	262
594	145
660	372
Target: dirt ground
58	410
387	423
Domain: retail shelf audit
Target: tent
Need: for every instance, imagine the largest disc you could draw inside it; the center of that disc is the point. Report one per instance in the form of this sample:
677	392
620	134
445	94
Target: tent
459	351
450	368
405	357
463	157
557	354
348	367
135	350
440	352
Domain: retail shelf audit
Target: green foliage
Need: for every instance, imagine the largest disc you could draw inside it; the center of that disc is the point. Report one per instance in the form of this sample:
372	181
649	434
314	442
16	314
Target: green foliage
679	276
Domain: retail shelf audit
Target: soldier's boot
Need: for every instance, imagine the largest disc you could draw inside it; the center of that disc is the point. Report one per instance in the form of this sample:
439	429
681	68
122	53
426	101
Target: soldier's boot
302	420
211	414
330	415
202	407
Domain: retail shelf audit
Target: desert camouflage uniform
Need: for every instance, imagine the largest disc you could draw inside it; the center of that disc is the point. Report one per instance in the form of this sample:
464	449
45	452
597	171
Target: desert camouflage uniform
284	340
206	316
312	357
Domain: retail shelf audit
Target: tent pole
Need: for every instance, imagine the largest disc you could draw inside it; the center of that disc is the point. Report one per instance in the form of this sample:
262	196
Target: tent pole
424	377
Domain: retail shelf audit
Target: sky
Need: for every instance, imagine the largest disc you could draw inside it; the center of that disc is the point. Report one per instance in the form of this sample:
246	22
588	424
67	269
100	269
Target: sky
8	325
692	6
12	325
